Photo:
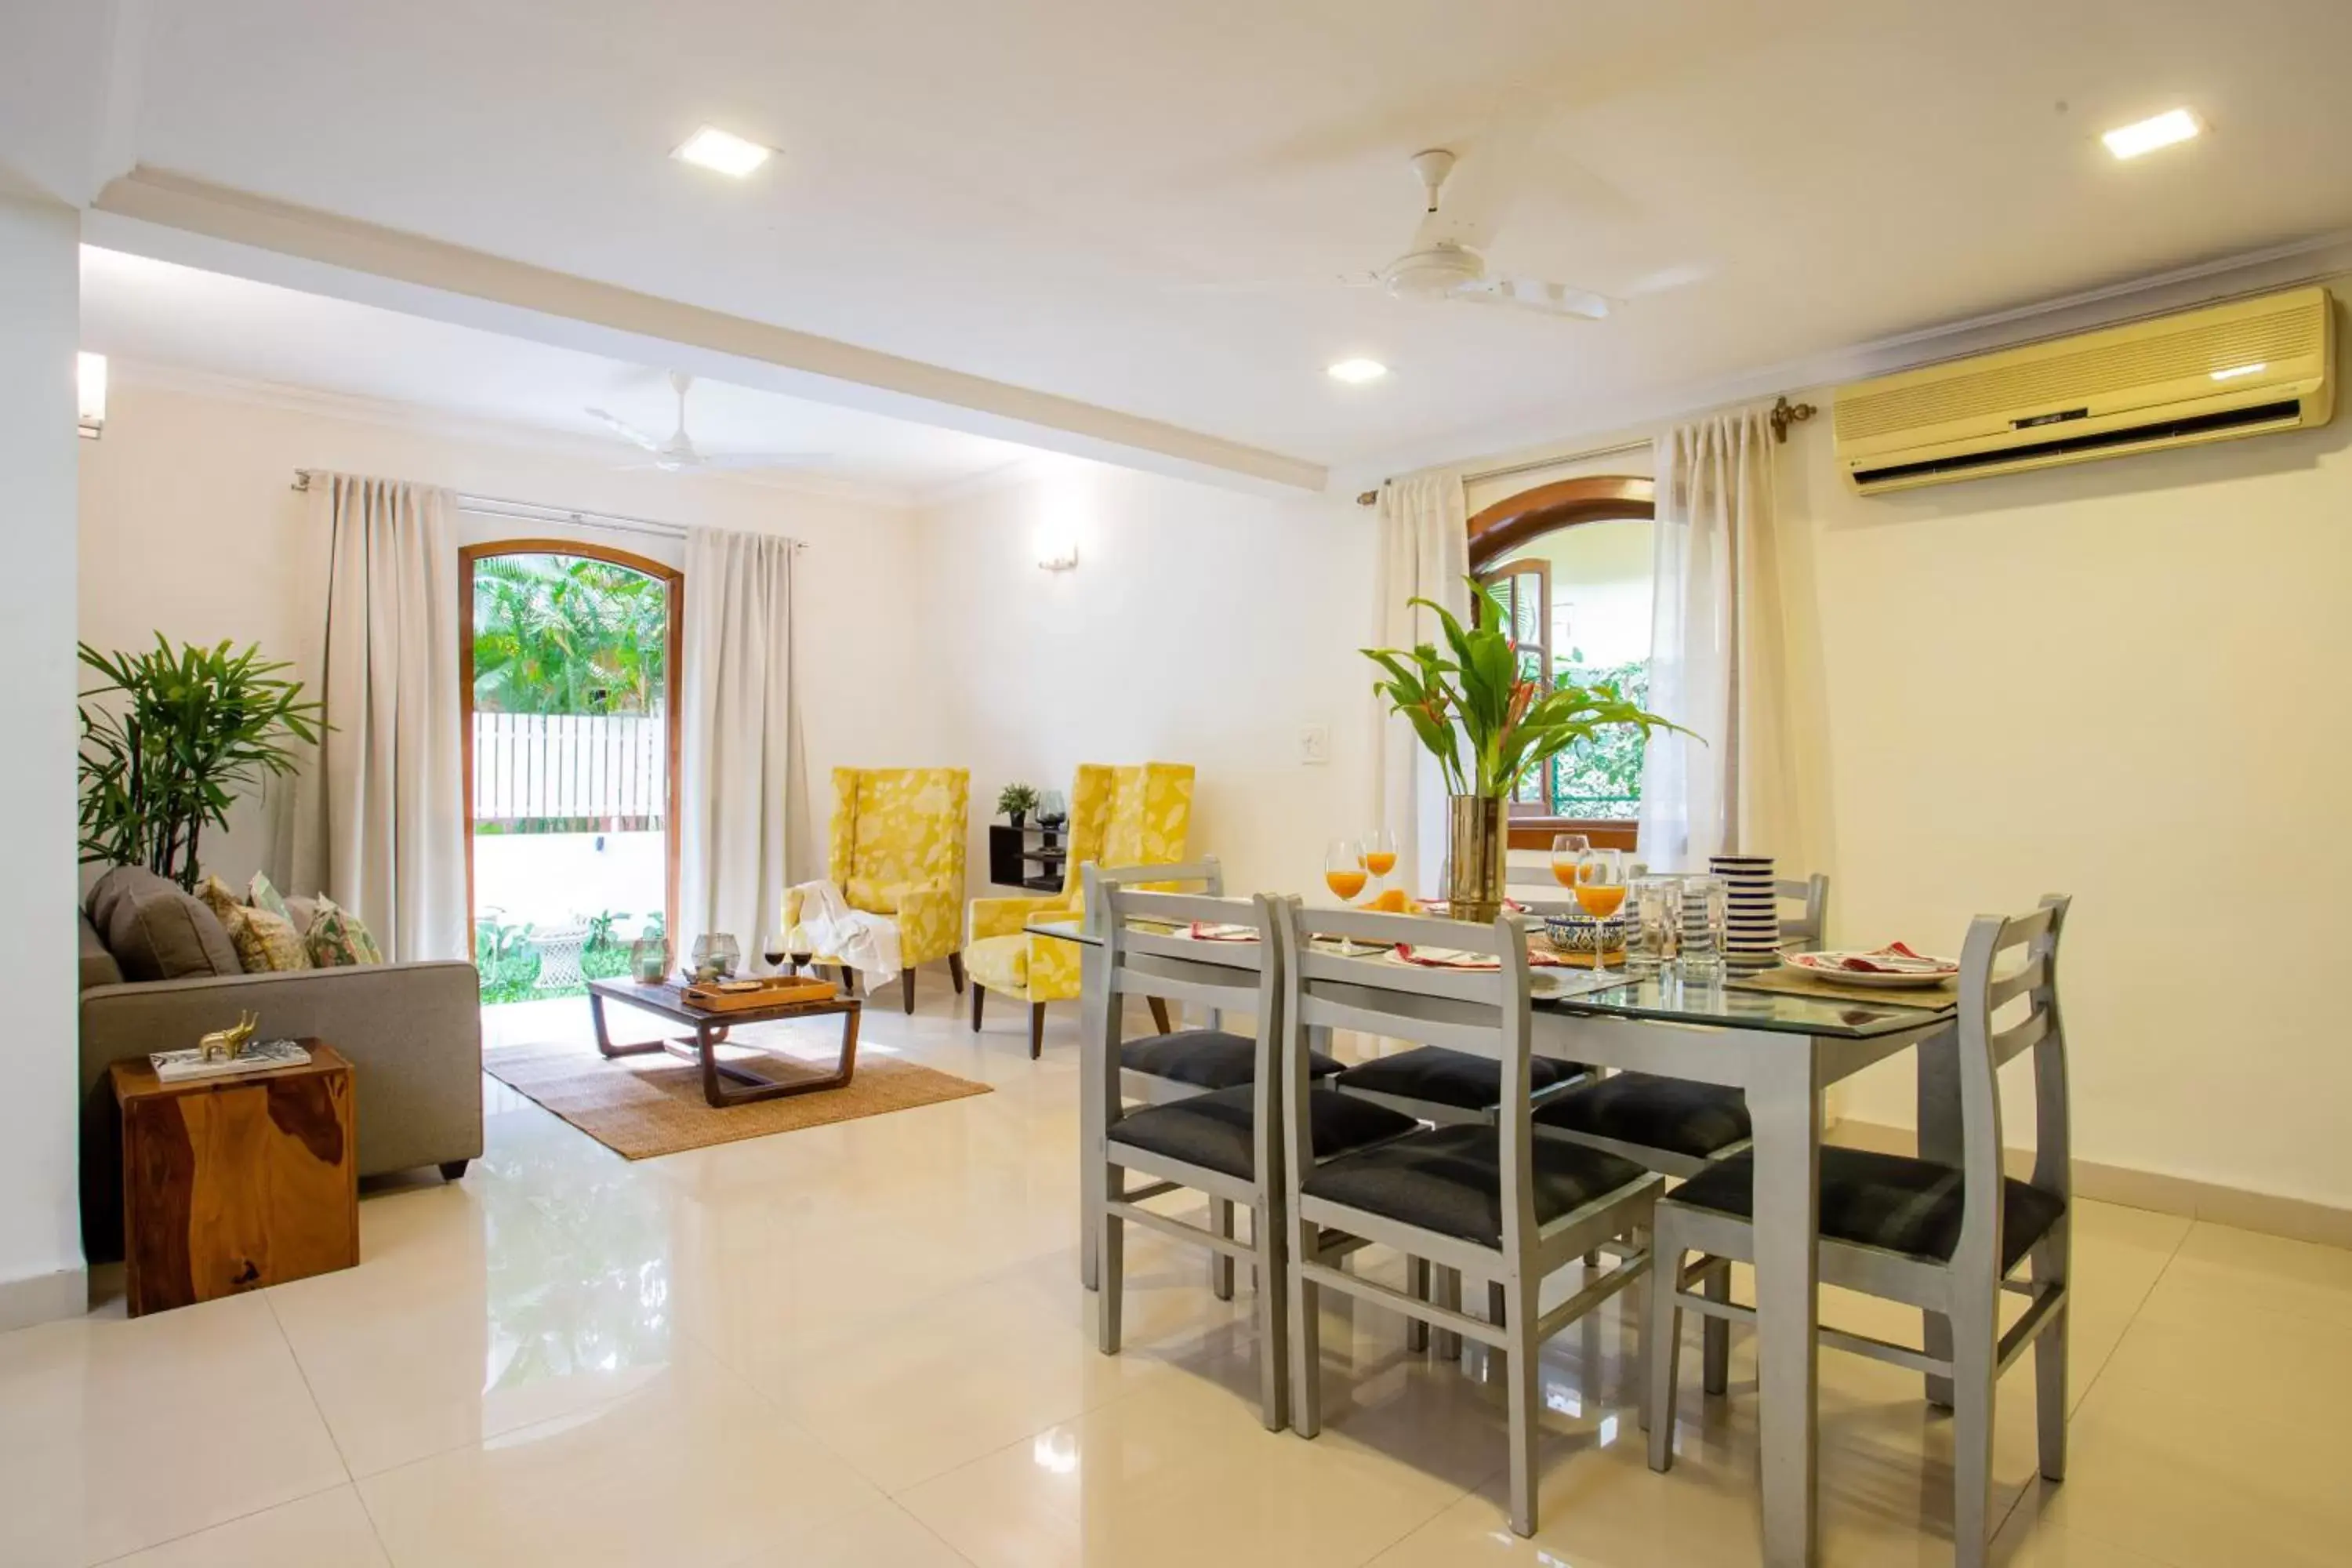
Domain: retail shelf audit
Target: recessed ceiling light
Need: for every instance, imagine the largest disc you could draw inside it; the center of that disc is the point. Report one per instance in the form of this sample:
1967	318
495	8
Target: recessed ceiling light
712	148
1357	370
2148	135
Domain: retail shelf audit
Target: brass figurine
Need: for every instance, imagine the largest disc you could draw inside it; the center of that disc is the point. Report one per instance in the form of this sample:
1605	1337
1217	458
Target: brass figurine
228	1045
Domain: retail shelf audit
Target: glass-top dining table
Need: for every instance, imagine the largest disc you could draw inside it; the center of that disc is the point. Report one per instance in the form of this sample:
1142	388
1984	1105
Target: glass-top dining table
1782	1049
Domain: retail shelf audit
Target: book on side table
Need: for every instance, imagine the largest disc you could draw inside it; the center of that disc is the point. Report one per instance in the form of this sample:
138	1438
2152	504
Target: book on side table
178	1067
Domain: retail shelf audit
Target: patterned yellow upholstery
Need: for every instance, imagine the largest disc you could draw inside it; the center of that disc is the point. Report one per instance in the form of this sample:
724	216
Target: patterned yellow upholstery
1119	816
895	847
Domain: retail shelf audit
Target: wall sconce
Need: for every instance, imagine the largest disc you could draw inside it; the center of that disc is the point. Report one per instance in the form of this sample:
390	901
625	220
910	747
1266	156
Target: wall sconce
89	384
1058	554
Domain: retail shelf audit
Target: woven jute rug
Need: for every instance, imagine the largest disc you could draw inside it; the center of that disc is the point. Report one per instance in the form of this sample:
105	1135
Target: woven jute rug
641	1107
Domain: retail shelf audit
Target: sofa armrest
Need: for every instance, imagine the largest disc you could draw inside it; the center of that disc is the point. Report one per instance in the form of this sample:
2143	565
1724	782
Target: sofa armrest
1006	915
412	1032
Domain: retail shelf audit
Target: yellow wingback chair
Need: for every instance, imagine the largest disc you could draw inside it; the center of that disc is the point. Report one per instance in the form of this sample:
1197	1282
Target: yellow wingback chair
895	847
1119	816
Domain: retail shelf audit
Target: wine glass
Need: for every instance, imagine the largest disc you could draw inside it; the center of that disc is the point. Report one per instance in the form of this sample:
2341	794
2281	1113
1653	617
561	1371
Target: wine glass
1600	893
1567	849
1344	873
1380	855
803	951
773	951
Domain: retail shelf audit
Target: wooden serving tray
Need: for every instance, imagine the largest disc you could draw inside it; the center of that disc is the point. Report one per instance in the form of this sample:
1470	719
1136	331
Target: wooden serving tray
765	990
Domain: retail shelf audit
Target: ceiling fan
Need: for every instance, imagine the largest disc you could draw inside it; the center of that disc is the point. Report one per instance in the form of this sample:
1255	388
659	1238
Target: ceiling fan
1445	262
679	452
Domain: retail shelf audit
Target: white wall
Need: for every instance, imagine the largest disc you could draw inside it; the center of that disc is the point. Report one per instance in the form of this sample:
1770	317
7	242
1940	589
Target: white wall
189	527
1201	625
2125	682
40	1242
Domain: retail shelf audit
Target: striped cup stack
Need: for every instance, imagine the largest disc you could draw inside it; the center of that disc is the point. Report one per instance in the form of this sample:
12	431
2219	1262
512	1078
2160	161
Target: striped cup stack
1754	926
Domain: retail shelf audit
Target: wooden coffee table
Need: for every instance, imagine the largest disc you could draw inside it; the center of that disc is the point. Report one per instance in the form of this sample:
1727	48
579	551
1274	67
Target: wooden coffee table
668	1000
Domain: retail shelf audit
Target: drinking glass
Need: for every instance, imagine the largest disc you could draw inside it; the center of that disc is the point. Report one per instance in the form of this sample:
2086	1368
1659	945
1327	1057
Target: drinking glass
803	951
1706	918
716	954
1344	874
1380	852
1567	849
773	951
1599	892
1658	925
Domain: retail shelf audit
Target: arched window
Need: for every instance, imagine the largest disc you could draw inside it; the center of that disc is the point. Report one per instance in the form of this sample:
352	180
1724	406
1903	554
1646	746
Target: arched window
1568	565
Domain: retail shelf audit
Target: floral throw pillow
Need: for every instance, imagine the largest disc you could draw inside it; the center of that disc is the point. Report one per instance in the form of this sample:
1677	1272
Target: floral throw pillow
264	942
336	937
218	897
264	895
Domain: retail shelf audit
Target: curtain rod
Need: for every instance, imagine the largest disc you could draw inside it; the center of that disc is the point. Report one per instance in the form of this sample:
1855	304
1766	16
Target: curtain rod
1783	413
532	511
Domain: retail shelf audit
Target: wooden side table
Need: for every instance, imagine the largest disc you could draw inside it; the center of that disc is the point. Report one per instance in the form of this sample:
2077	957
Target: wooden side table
235	1183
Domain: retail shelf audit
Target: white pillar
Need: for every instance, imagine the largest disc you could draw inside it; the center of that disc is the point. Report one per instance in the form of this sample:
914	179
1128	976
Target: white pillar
41	1271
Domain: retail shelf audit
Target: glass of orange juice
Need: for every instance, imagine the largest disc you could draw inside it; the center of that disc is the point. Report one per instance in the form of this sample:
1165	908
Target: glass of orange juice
1380	852
1567	849
1600	888
1344	873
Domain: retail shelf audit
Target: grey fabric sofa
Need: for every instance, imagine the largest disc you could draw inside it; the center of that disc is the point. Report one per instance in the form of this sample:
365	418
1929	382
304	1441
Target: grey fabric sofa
413	1033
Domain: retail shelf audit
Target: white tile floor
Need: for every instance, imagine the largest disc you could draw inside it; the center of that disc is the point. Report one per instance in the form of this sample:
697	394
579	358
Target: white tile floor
865	1345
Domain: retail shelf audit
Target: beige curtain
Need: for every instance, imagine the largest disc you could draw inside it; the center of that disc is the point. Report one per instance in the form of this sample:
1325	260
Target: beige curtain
378	823
742	784
1424	554
1717	652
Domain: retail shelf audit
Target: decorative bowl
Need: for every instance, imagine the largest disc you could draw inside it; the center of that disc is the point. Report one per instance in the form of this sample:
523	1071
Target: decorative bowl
1572	933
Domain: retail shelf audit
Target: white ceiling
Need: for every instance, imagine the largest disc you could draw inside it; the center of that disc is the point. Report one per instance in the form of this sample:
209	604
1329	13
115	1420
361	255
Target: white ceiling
1033	190
154	312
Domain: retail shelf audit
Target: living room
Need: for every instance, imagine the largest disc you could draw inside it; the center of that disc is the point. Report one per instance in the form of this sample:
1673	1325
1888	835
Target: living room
1076	483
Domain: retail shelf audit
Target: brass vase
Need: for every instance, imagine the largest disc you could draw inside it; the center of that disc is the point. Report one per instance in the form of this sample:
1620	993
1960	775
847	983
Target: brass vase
1473	883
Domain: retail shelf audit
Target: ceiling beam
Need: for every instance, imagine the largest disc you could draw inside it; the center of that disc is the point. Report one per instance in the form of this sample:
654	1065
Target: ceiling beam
175	217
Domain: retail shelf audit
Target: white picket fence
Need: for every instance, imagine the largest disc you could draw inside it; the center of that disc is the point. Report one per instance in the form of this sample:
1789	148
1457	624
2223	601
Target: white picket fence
570	765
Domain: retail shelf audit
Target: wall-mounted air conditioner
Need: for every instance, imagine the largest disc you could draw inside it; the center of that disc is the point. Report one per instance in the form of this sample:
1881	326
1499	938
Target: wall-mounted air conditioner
2240	369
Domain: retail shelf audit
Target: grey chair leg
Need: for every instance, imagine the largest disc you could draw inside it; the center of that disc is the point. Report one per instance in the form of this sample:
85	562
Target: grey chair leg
1445	1343
1715	1339
1416	1285
1273	1317
1221	1265
2049	1392
1661	1344
1306	1336
1110	1281
1974	1329
1526	1396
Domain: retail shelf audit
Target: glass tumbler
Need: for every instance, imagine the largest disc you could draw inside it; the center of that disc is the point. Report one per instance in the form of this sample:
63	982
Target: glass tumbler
1656	938
1706	939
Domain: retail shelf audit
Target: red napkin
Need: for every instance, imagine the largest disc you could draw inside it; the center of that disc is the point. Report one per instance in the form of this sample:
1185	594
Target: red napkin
1206	930
1451	958
1896	958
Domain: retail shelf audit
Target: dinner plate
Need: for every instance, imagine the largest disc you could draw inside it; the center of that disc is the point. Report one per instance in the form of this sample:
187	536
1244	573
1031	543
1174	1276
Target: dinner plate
1824	965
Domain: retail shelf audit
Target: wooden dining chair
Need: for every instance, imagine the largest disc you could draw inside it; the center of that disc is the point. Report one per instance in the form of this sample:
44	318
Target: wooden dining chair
1486	1201
1225	1142
1946	1241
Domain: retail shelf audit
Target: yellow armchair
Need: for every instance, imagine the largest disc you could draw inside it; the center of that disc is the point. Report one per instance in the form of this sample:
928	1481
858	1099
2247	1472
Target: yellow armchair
1119	816
896	849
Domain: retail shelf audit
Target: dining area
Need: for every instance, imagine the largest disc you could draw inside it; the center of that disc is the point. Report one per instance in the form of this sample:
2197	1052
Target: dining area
1496	1129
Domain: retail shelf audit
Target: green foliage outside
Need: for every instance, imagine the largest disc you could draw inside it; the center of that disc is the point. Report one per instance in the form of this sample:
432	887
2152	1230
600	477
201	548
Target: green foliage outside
565	634
180	735
1601	775
508	963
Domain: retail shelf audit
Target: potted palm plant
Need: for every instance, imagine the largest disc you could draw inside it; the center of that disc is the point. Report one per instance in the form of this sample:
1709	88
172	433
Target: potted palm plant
1489	722
184	732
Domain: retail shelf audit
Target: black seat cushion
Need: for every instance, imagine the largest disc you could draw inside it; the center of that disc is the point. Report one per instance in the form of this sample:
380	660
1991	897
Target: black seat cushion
1439	1077
1889	1201
1450	1180
1206	1058
1669	1113
1215	1130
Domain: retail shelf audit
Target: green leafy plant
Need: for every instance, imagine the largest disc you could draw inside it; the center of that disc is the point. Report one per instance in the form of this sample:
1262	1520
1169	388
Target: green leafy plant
188	731
563	634
1486	720
1016	800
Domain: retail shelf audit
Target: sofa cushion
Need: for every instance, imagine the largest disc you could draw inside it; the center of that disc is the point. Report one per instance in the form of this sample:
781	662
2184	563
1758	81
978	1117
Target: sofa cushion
96	966
263	894
337	939
156	932
265	943
300	912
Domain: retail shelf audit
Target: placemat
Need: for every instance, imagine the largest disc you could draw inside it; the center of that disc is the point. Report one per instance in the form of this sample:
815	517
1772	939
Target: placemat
1796	982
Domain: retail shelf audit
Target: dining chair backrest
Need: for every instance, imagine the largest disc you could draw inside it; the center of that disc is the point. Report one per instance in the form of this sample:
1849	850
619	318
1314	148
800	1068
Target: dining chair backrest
1993	1031
1483	1012
1809	928
1145	953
